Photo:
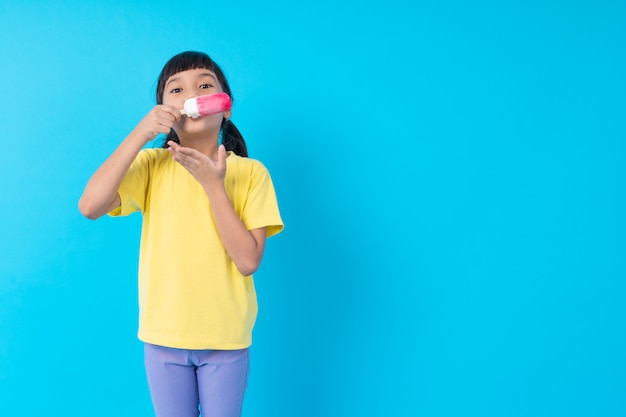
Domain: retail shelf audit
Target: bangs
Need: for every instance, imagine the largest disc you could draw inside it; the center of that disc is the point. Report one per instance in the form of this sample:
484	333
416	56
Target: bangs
183	62
187	61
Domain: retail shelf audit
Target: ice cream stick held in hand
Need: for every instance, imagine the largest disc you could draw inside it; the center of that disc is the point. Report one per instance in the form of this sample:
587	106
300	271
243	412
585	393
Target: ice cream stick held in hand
206	105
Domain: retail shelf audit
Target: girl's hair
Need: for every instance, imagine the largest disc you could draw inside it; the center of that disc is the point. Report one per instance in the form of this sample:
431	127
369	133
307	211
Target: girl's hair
231	138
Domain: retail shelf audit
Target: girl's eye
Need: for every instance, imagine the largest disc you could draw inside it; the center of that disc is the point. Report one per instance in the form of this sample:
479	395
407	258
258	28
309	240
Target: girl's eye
176	90
205	86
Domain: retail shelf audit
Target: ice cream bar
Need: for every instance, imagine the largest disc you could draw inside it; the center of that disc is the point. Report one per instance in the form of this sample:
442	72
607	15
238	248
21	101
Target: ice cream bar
206	105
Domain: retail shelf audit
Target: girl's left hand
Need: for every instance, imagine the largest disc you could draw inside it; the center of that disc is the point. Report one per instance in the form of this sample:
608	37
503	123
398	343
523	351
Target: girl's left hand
203	168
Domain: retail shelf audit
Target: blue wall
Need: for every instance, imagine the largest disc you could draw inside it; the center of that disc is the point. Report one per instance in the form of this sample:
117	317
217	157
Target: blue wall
451	175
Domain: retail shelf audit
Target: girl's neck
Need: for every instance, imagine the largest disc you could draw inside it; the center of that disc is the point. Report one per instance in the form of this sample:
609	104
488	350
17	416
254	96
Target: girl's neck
201	144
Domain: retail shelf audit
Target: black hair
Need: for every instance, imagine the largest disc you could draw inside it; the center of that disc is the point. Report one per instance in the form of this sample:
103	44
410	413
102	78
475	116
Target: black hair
231	137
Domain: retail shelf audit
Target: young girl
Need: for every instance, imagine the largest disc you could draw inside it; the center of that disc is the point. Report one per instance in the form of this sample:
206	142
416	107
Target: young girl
207	210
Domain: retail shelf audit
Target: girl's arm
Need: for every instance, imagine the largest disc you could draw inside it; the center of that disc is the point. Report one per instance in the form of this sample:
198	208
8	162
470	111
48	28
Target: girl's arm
100	195
245	247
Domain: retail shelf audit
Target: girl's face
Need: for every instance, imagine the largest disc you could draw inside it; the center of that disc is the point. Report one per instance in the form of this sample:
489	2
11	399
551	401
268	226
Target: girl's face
188	84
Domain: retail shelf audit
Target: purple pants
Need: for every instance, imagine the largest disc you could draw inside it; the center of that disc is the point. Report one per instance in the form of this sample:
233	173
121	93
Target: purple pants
181	380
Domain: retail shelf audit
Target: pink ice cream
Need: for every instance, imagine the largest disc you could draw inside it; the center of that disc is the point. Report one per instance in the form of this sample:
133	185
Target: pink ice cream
206	105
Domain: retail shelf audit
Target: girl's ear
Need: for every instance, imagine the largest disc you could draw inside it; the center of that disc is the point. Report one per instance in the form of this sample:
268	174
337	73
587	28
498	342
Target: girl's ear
227	114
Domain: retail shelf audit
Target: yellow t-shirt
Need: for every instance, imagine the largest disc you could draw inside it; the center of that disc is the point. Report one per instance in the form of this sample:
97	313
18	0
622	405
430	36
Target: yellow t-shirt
191	295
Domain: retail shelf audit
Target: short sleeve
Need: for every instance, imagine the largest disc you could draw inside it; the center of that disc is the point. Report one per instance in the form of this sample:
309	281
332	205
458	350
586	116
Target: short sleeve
134	186
261	205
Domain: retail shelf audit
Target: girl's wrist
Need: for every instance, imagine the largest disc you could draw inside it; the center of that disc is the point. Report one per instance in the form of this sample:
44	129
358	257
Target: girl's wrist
215	189
138	136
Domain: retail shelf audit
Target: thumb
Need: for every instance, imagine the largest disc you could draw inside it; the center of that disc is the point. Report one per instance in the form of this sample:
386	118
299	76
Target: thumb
221	156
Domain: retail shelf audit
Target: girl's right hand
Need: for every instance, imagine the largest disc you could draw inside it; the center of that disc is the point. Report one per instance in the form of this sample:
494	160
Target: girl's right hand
160	119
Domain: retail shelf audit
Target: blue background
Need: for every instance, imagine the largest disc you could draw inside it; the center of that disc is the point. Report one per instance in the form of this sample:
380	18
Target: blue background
451	175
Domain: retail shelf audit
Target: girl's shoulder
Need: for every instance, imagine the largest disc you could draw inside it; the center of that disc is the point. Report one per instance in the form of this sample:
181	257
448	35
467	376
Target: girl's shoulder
245	167
153	153
240	161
